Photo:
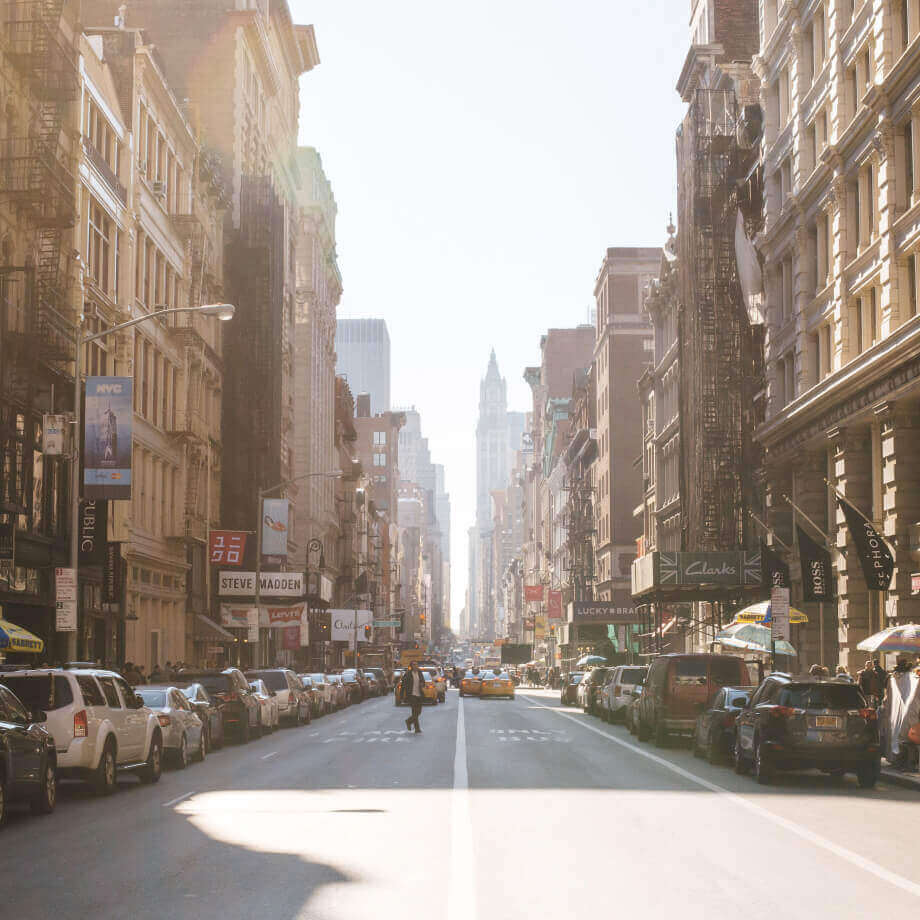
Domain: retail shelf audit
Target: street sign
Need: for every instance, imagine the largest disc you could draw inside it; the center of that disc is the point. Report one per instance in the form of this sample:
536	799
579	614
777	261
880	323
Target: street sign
252	621
65	600
54	428
779	612
386	624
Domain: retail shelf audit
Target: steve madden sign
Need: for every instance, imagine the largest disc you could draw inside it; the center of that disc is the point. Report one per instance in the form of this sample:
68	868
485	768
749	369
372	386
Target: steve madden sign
273	584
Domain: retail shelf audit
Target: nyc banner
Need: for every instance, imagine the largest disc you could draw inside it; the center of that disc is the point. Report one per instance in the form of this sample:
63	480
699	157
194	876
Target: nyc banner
107	438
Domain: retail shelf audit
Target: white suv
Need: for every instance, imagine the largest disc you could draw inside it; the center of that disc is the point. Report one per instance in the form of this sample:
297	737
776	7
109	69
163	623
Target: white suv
293	701
100	725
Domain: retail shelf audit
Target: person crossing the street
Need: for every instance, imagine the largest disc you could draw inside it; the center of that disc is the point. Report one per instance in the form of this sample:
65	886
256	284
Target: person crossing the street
410	686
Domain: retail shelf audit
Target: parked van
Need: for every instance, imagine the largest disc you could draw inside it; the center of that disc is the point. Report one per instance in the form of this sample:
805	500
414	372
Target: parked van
679	686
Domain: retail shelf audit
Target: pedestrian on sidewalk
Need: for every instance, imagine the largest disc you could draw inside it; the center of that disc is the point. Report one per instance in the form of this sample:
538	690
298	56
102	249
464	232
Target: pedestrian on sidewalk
410	685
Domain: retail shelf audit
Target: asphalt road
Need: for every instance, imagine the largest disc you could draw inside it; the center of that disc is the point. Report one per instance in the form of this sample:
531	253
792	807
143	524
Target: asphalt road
499	809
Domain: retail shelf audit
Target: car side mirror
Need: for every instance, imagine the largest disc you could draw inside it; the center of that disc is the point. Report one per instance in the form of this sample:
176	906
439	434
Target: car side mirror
38	715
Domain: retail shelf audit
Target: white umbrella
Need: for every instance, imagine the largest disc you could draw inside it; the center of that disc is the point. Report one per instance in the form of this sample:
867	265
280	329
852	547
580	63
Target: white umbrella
904	638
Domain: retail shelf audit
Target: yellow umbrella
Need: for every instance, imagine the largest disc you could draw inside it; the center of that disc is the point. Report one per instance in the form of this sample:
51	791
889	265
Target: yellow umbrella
17	639
760	613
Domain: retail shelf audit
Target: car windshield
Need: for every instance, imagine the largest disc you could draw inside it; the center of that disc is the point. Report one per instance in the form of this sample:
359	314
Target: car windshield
152	697
317	678
215	683
40	691
471	676
632	675
575	678
274	680
821	696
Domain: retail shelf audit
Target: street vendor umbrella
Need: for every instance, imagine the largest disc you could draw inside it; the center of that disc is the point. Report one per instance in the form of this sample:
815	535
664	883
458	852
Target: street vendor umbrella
761	613
588	660
14	638
753	637
904	638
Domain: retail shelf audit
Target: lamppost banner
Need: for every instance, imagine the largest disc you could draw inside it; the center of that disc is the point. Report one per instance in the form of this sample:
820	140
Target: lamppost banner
93	531
107	438
275	529
874	556
817	574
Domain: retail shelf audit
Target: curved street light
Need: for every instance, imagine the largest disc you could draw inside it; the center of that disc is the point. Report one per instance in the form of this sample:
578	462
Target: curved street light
223	311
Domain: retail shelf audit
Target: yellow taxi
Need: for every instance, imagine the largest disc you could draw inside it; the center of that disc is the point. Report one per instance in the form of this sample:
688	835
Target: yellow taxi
471	683
496	683
429	690
440	681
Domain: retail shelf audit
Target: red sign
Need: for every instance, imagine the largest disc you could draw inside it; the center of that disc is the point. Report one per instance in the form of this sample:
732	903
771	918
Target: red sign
290	638
554	605
528	622
227	547
533	592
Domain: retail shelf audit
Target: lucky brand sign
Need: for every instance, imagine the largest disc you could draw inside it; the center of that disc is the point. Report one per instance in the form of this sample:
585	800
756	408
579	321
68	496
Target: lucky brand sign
107	438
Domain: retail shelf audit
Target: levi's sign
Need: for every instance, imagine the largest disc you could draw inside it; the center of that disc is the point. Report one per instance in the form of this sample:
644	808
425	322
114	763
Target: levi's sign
273	584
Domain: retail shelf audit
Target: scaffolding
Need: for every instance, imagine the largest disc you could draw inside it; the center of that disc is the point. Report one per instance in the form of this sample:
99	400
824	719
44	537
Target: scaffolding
719	370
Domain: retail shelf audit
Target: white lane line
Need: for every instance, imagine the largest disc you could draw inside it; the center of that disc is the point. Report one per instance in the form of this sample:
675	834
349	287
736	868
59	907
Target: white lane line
178	798
461	899
867	865
266	756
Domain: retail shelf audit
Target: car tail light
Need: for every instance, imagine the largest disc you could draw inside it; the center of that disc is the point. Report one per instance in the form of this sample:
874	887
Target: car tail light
870	715
783	712
79	724
164	720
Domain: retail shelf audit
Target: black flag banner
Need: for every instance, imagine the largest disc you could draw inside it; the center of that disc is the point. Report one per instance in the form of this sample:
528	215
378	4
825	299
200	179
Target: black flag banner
874	555
817	574
774	572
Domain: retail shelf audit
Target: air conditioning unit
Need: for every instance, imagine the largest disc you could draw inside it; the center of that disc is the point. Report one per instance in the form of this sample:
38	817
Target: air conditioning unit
159	189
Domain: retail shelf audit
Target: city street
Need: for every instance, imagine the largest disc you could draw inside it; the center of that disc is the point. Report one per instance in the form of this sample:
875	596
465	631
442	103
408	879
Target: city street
495	810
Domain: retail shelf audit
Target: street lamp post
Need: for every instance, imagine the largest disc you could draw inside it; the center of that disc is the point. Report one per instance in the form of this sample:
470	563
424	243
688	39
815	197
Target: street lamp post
315	546
223	311
262	493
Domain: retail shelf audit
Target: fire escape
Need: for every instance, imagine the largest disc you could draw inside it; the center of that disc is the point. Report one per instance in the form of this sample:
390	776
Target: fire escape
34	175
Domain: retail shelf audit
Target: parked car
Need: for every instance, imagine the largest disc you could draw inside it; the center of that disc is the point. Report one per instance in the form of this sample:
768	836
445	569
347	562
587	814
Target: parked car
471	683
631	717
801	723
353	687
496	683
617	691
714	736
678	685
269	716
231	693
590	687
324	691
373	685
183	731
339	693
209	713
382	682
28	759
600	707
293	700
568	696
99	724
314	694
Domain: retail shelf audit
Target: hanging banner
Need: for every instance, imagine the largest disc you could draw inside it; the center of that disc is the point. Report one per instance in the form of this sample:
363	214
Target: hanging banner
554	605
275	512
539	627
304	629
874	555
533	592
268	617
7	541
93	531
112	574
290	638
226	547
54	432
774	572
107	438
817	573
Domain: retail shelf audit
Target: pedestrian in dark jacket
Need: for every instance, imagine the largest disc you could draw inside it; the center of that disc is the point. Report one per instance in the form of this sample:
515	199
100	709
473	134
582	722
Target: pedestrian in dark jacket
410	686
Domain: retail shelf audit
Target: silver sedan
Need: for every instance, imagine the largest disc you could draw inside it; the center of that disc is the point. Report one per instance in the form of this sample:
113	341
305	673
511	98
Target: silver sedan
183	731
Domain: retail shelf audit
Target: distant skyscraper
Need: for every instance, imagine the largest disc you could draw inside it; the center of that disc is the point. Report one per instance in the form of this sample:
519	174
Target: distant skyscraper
362	348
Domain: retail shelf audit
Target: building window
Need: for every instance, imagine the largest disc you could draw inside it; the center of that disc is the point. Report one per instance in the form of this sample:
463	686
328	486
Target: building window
912	283
98	244
380	459
380	437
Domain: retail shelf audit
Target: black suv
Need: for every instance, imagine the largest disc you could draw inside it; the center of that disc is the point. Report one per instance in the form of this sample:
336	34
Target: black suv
232	695
801	723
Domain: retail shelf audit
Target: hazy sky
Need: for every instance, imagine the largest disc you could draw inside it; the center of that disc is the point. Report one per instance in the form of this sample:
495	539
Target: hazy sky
483	155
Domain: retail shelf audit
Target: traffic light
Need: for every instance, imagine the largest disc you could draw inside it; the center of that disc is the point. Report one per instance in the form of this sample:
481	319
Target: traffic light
367	632
421	618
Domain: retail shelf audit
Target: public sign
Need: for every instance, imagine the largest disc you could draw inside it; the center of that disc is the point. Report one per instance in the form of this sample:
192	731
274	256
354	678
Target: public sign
267	616
620	610
275	513
775	570
539	627
554	605
817	575
533	592
93	531
272	584
343	625
252	622
657	571
107	438
7	541
65	600
226	547
779	612
54	431
874	555
112	574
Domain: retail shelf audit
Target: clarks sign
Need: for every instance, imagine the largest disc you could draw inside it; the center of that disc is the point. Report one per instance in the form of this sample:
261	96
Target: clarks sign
660	570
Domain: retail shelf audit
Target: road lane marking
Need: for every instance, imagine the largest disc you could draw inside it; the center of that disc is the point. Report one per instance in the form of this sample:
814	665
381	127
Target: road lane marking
177	799
461	900
867	865
266	756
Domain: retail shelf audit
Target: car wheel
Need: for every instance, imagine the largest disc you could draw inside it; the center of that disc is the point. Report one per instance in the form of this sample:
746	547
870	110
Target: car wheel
837	776
741	768
245	731
46	797
182	755
259	731
762	772
153	768
104	777
202	746
866	776
712	750
695	747
661	734
642	730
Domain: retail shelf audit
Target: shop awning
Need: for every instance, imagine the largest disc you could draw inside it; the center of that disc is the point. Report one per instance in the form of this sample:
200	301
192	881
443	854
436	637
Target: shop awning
206	628
14	638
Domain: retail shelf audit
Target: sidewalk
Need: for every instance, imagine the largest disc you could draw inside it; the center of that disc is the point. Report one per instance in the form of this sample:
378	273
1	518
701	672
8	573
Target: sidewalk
899	777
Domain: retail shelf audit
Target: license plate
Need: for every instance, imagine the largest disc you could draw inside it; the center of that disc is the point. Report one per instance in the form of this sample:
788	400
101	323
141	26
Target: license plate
495	683
828	722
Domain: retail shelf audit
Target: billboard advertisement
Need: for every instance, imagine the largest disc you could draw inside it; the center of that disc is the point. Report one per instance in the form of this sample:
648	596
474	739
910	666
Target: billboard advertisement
275	513
343	624
107	438
226	547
